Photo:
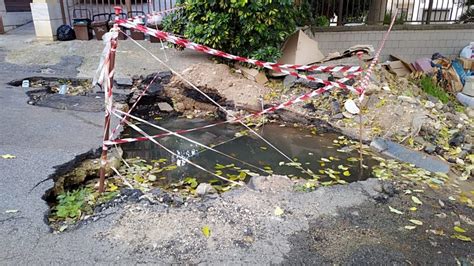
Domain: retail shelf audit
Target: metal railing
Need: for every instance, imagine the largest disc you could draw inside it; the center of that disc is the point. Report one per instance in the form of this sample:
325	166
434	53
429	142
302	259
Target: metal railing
88	8
344	12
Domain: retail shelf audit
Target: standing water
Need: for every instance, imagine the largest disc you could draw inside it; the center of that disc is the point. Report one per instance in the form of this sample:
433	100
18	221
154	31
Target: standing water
326	155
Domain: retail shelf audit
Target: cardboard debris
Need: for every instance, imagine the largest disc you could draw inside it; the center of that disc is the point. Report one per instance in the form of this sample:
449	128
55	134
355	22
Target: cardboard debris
467	64
368	50
398	68
449	74
423	65
253	74
404	62
301	50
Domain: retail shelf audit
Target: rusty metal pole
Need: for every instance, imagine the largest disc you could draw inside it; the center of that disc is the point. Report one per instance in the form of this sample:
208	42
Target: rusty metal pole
340	21
108	97
430	10
63	13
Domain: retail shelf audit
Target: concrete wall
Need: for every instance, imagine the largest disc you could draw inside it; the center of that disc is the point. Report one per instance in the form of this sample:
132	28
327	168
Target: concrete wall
410	42
13	19
47	18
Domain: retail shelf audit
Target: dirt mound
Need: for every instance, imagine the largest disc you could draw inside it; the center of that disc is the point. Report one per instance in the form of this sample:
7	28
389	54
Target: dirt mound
221	83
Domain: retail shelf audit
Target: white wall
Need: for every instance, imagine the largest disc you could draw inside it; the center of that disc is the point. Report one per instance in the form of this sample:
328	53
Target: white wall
13	19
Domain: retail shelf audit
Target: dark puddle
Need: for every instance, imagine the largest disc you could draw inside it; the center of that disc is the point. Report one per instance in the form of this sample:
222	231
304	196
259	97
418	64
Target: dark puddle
325	154
78	94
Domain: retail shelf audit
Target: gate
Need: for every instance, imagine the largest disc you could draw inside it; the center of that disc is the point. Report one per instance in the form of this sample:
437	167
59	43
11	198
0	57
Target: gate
88	8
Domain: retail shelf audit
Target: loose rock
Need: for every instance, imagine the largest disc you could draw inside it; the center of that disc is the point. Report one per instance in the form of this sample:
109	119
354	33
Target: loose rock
204	189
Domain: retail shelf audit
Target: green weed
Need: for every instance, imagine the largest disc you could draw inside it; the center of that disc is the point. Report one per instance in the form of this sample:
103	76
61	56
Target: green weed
430	87
72	203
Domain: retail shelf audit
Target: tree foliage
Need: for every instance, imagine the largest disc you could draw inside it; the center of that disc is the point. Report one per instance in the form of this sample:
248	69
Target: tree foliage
248	28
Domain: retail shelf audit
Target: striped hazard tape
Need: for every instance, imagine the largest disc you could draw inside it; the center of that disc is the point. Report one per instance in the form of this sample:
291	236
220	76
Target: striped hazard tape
286	104
205	49
366	79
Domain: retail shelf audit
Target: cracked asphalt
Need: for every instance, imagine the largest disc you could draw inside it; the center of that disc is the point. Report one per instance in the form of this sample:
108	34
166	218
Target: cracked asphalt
42	138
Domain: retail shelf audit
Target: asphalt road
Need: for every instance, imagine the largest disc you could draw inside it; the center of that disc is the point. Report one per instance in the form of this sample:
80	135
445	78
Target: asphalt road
42	138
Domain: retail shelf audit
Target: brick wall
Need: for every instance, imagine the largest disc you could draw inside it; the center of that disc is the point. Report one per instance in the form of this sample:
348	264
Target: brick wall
409	41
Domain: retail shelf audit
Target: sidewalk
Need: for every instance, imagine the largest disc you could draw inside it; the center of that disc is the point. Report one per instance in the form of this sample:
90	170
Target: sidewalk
21	48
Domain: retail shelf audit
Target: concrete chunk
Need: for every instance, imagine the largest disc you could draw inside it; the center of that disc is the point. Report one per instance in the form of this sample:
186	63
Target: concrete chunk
403	154
165	107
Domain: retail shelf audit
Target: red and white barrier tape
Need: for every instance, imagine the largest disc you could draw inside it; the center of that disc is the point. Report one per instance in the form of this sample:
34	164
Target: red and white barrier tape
140	131
117	113
366	80
298	99
112	136
273	66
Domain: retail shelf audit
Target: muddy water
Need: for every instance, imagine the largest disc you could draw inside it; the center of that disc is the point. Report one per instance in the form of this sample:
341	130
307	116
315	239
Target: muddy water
317	152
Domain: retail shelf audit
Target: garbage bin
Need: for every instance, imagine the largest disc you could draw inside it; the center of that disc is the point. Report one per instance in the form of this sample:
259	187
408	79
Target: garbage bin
136	34
82	24
121	35
100	24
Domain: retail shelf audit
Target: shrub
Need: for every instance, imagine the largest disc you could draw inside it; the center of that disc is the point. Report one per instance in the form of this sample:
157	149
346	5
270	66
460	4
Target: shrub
247	28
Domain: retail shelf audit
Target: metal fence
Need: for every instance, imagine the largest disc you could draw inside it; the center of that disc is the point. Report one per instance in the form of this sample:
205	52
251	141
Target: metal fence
88	8
343	12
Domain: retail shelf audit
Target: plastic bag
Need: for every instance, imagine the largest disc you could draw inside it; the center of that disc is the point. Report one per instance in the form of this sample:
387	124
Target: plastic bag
65	33
468	51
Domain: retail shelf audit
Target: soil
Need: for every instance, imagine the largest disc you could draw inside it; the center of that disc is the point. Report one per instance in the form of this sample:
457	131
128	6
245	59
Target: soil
338	225
219	81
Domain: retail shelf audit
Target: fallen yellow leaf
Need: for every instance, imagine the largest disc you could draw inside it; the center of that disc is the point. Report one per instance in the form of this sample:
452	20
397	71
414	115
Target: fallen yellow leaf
278	211
459	229
206	231
462	237
417	222
394	210
416	200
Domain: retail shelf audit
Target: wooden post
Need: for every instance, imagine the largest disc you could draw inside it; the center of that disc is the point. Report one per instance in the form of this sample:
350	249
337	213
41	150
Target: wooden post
108	97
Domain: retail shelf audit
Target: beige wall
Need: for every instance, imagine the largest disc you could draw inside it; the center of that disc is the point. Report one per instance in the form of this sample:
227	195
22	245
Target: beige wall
47	18
13	19
410	44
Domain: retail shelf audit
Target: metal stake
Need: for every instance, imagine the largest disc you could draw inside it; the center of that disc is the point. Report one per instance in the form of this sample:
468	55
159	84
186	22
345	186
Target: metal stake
108	97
